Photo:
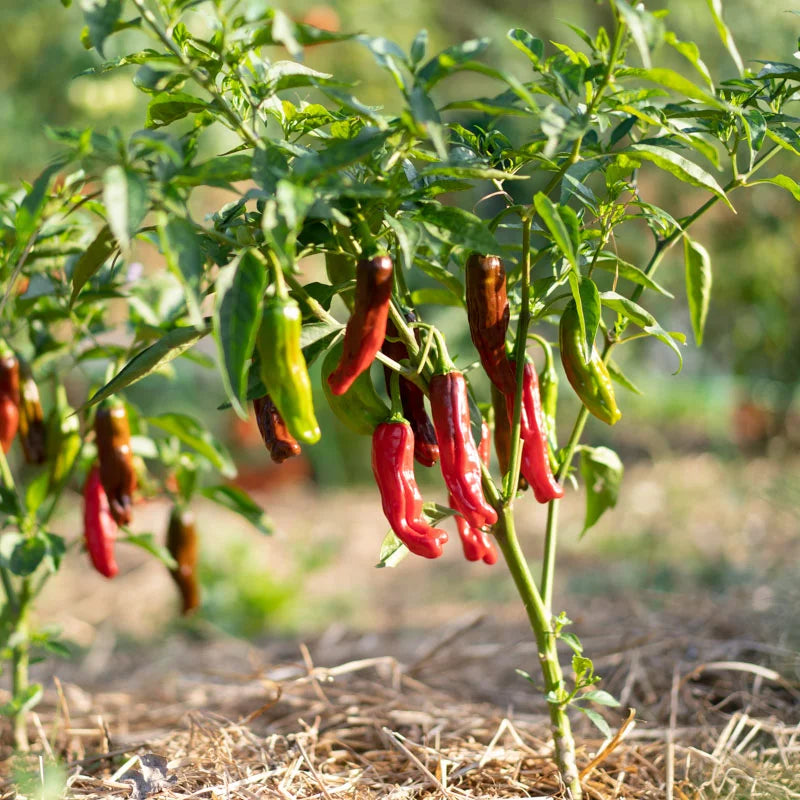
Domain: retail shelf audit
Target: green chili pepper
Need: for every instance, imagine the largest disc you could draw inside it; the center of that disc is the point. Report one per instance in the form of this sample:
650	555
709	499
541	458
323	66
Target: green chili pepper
283	367
360	408
548	391
63	440
591	381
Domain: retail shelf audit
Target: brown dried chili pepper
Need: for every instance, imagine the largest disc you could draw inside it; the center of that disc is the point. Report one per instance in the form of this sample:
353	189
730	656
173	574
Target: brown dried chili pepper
99	528
535	463
477	545
393	467
280	443
502	435
114	453
426	450
488	314
182	546
366	328
460	462
32	430
9	396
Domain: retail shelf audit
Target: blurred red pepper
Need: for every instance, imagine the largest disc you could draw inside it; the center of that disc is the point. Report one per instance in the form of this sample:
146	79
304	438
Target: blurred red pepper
280	443
182	546
475	542
32	431
426	450
393	467
99	528
535	464
366	327
461	465
9	396
488	314
113	437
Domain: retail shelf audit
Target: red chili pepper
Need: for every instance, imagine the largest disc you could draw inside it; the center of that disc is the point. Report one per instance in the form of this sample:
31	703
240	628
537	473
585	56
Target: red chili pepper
535	464
99	528
488	314
280	443
426	450
366	328
113	437
461	465
32	431
182	546
475	542
9	397
393	467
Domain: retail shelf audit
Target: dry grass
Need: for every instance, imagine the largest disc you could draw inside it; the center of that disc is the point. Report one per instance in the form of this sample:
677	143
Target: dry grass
716	720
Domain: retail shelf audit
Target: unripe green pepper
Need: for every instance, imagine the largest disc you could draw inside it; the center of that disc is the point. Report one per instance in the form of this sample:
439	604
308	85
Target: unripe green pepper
548	391
63	439
360	408
283	367
591	382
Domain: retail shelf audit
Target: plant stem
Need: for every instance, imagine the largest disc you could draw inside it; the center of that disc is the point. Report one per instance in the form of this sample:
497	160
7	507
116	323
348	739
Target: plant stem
549	559
20	659
539	617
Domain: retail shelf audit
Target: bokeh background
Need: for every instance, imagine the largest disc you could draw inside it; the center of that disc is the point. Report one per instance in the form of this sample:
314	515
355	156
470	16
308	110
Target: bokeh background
711	498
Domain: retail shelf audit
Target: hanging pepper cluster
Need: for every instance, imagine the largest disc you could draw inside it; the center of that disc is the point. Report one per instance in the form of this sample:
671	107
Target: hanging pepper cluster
432	413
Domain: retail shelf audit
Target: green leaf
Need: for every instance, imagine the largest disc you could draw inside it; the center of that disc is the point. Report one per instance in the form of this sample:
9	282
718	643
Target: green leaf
587	300
527	43
572	641
669	339
92	259
549	213
448	61
9	502
36	492
458	227
630	272
784	181
24	701
647	30
621	378
237	317
597	721
418	47
441	275
675	82
185	258
168	107
601	697
148	543
436	297
101	17
283	216
125	199
220	171
189	431
238	501
31	207
715	7
627	308
150	359
393	551
27	555
683	169
698	284
601	470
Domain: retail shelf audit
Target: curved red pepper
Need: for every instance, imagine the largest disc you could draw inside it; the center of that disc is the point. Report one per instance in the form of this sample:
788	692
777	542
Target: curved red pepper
461	465
475	542
99	528
535	464
426	450
9	398
393	467
280	443
366	328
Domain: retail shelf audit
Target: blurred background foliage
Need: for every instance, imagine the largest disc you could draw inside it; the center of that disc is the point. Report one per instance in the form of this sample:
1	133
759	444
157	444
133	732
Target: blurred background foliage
737	392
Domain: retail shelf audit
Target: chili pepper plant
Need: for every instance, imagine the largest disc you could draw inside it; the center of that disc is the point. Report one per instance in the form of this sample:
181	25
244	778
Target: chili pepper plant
527	209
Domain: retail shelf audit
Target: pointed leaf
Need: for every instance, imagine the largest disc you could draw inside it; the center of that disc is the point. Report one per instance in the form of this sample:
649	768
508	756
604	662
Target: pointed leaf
125	199
237	317
238	501
784	181
627	308
150	359
680	167
101	18
698	284
393	551
601	470
548	211
92	259
715	6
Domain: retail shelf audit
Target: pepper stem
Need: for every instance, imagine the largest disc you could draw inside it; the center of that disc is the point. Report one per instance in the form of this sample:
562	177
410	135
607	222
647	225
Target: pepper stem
443	362
394	390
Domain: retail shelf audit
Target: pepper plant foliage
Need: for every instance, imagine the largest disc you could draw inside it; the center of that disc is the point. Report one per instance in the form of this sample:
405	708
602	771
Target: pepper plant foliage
543	169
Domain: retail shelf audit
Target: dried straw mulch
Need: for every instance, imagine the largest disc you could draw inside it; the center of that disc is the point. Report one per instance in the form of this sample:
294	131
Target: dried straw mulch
446	717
